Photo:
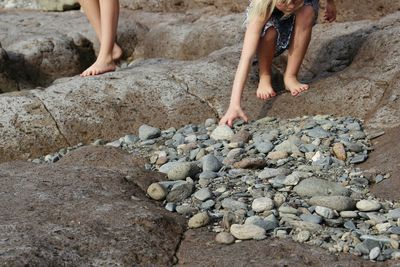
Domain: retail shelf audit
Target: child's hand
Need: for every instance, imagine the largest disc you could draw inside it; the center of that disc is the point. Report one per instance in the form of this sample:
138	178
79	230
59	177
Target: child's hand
330	11
231	115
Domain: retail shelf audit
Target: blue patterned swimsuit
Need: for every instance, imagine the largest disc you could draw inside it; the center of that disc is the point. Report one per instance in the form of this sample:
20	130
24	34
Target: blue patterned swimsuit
284	26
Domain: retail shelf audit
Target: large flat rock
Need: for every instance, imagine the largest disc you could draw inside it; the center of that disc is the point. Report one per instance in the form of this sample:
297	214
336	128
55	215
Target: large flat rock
156	92
80	212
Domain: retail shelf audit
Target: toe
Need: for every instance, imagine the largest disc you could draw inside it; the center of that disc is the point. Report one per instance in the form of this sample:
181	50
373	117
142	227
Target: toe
295	92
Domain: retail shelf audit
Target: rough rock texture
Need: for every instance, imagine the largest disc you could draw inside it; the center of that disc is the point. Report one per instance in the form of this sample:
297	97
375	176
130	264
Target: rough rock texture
182	40
54	45
337	53
81	211
348	10
364	9
198	248
46	5
184	5
109	106
385	159
366	86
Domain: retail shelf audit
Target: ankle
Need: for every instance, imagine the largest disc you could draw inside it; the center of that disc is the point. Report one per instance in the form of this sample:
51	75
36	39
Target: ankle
265	78
105	59
290	77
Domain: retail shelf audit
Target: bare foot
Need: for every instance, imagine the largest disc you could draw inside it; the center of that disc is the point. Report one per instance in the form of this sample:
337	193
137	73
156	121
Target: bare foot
294	86
99	68
117	52
265	90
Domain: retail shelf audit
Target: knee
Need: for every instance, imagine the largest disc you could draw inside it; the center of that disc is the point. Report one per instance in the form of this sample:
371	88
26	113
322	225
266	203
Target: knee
271	34
305	18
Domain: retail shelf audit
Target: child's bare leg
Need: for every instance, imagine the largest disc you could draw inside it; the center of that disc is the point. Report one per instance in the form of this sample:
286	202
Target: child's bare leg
298	48
92	11
109	12
266	51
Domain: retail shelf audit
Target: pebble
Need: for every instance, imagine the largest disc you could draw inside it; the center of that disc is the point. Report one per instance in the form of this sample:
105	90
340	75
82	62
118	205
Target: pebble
318	132
318	187
277	155
368	205
250	163
147	132
348	214
211	163
241	136
170	207
181	170
222	132
349	225
203	194
231	204
271	172
396	255
247	231
325	212
209	122
295	178
264	147
185	209
156	191
339	151
359	159
303	236
374	253
393	214
199	220
224	238
338	203
311	218
207	204
262	204
287	146
180	192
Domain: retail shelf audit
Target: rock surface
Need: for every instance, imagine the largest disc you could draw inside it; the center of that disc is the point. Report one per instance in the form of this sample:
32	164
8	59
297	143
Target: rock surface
74	110
82	211
259	253
46	5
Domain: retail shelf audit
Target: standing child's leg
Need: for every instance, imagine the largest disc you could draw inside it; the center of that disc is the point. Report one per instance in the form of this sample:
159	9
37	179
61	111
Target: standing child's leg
266	52
103	15
300	40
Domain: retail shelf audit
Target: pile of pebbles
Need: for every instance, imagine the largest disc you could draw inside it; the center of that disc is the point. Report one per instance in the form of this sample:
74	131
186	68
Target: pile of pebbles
293	178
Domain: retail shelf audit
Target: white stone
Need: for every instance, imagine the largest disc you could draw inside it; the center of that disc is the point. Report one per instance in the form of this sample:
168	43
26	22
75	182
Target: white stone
382	227
247	231
374	253
368	205
317	156
303	236
262	204
222	132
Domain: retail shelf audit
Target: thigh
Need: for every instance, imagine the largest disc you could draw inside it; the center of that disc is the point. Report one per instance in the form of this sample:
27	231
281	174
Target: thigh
315	6
283	27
